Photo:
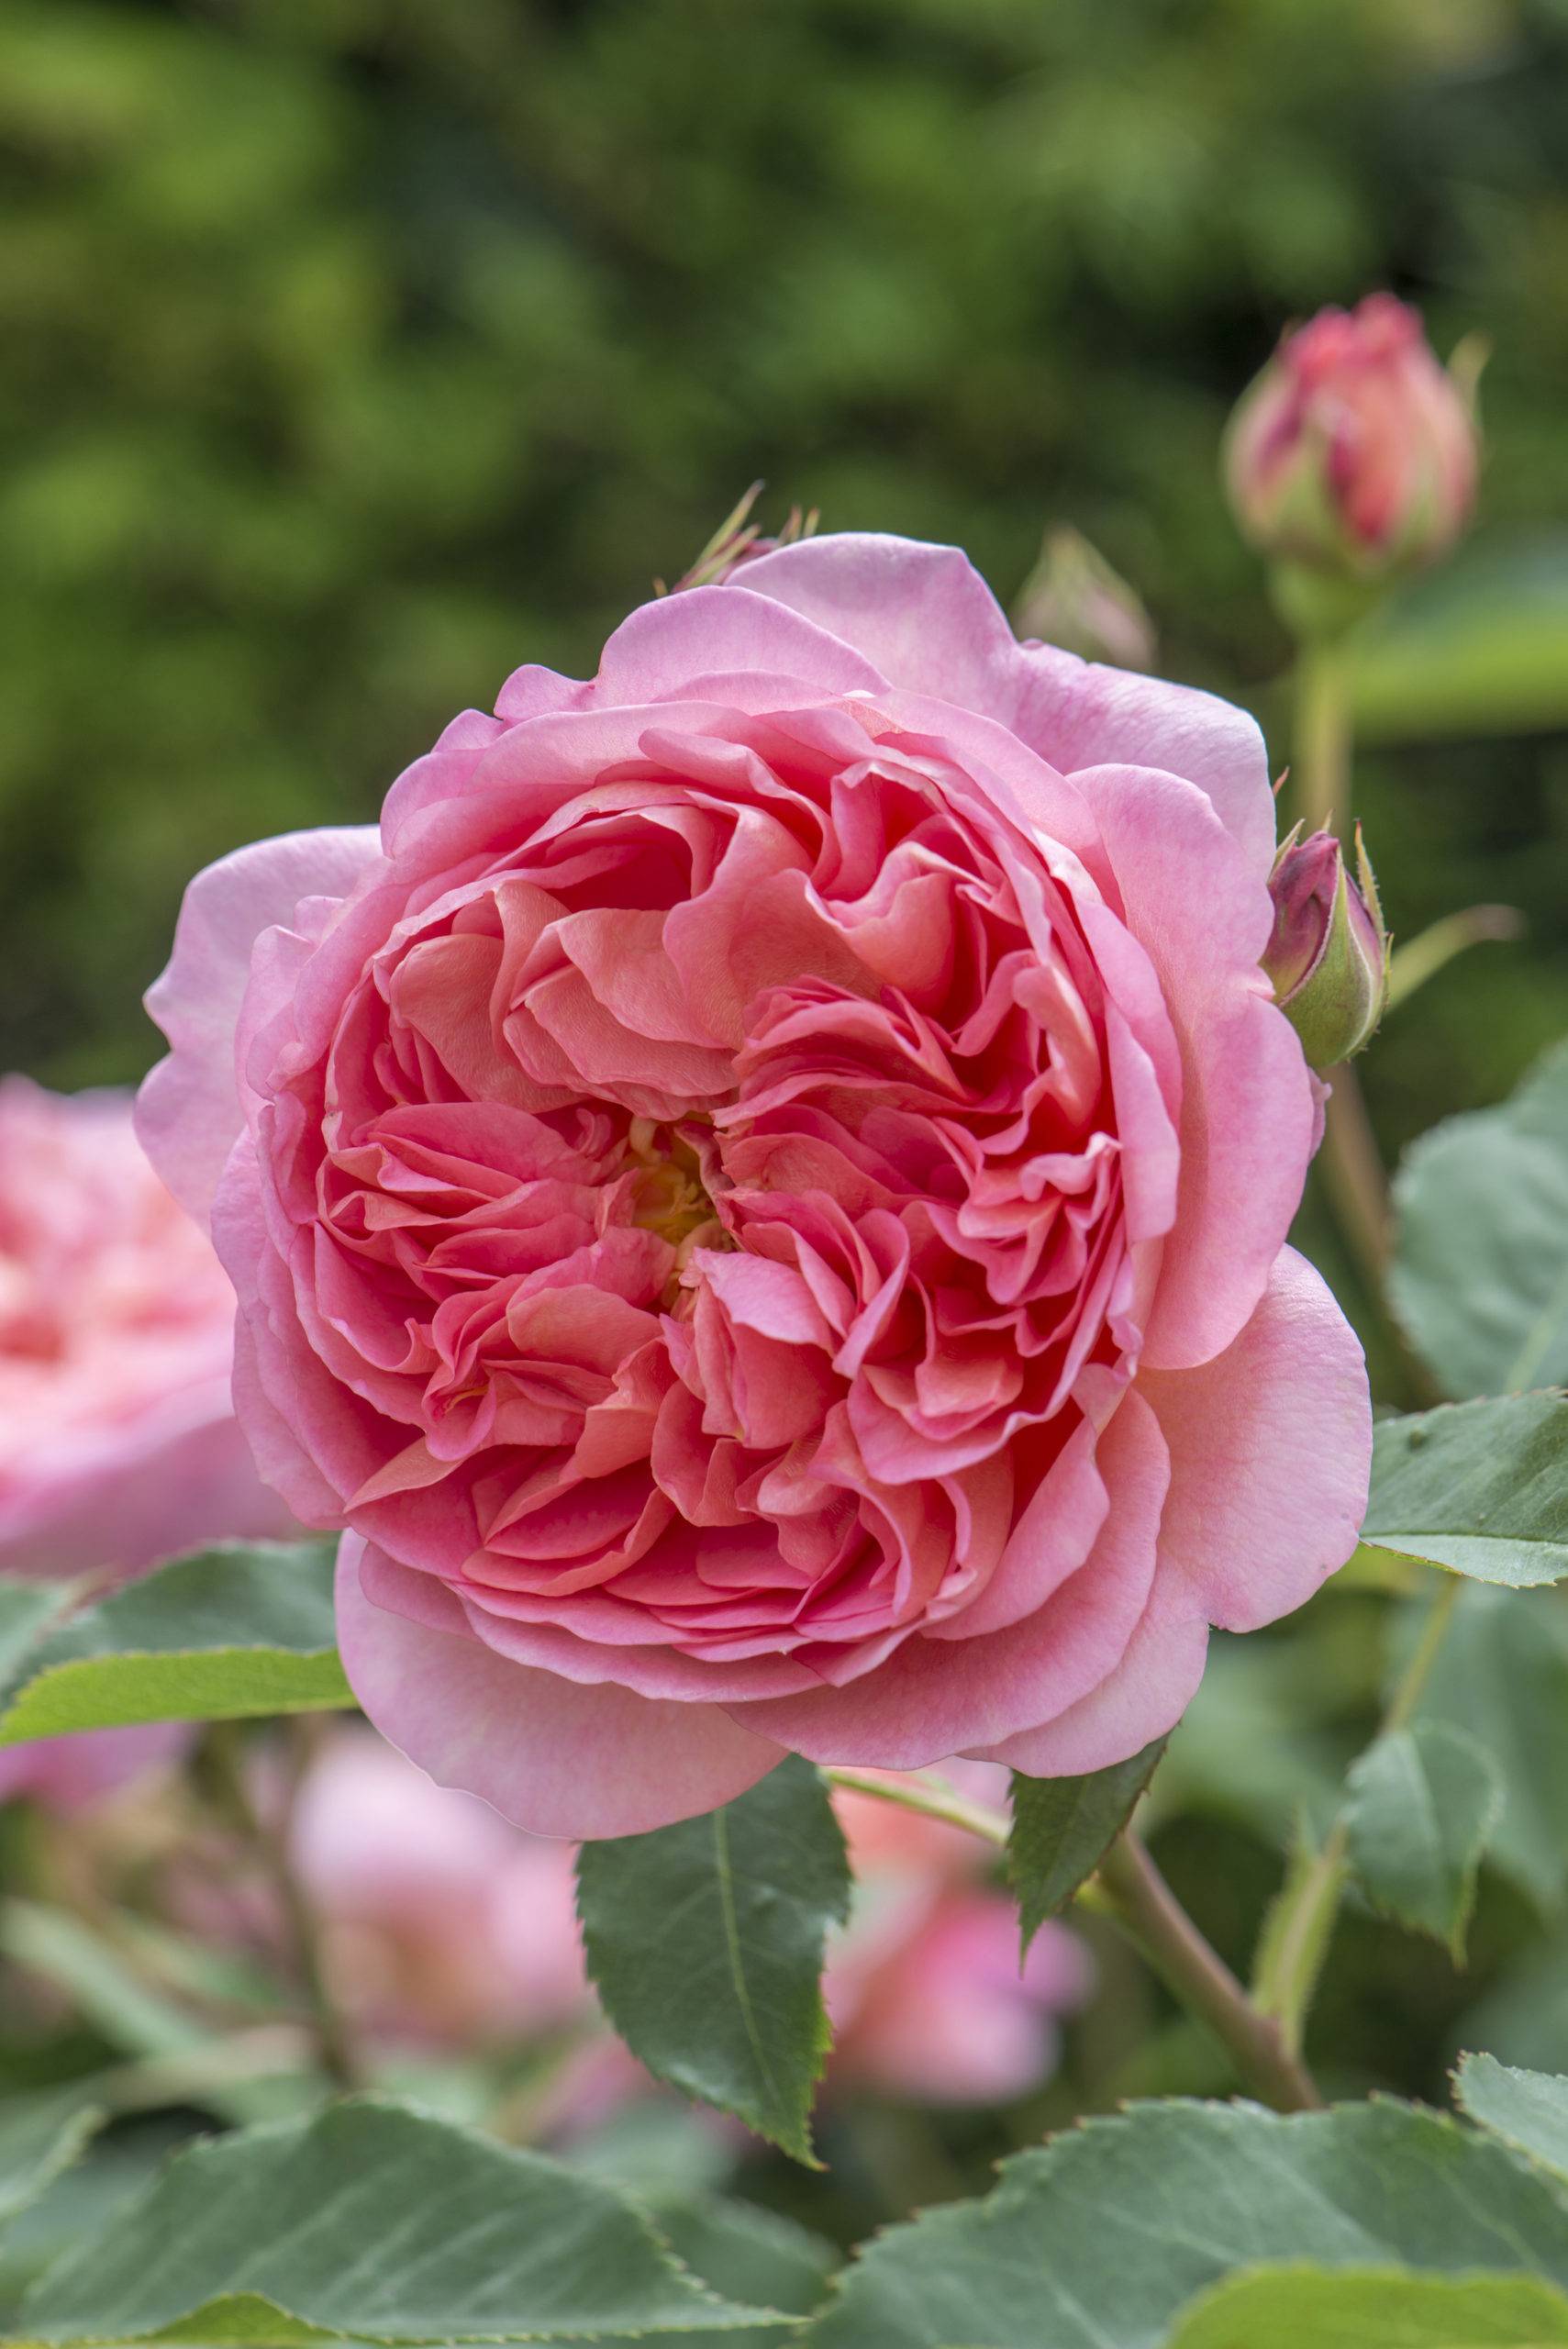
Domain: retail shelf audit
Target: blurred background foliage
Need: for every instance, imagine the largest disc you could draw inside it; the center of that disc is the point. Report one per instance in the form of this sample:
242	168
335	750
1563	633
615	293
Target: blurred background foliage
352	352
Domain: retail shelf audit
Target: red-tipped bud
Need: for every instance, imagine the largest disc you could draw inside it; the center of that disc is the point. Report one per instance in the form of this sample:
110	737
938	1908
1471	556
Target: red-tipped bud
738	539
1327	956
1074	599
1354	453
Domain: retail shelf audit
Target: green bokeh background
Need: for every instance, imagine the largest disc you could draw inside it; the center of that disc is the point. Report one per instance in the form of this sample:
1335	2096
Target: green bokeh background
352	352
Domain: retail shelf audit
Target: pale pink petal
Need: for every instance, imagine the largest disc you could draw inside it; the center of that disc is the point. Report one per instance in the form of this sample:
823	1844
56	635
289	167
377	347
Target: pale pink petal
1271	1448
927	619
679	646
1142	1698
1247	1113
72	1774
187	1114
552	1755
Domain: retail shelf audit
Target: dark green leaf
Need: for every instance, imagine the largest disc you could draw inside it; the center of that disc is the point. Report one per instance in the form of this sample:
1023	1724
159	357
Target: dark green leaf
1528	2109
1420	1805
373	2222
706	1941
221	1635
1481	1277
1479	1488
1309	2307
1100	2239
1062	1828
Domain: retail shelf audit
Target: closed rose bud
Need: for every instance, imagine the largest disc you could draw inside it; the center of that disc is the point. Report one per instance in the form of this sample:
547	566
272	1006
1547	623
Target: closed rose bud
1355	451
1328	954
1073	598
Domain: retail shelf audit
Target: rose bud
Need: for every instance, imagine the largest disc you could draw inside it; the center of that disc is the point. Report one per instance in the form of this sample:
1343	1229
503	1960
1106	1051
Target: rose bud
1074	599
1355	451
1327	956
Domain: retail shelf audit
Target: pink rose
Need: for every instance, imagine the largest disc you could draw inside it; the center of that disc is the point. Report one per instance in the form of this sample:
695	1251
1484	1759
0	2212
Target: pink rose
118	1444
1354	449
758	1200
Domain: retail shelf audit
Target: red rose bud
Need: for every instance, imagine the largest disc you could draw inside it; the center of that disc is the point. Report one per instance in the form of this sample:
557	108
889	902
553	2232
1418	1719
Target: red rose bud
1073	598
1328	954
738	539
1355	453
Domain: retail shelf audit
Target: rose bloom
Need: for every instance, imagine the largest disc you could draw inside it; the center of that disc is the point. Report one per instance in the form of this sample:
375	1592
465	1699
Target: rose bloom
118	1444
758	1199
1354	449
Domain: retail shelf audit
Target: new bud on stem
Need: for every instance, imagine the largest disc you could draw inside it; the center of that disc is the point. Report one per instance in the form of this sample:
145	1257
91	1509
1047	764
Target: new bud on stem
1327	956
1353	455
1074	599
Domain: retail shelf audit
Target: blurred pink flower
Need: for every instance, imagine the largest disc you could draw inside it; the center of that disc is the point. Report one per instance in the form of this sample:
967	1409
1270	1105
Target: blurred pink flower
118	1444
924	1986
443	1922
1354	449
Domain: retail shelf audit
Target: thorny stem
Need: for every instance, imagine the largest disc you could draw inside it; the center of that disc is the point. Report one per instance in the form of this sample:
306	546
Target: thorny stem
1130	1889
268	1839
1198	1979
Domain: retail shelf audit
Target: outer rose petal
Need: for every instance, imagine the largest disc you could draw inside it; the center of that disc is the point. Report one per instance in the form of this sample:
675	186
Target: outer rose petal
1140	1701
187	1113
1248	1114
1270	1449
550	1754
929	622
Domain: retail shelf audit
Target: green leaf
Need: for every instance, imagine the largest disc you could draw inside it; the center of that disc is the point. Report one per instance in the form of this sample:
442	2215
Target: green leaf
1062	1828
39	2136
1305	2308
706	1941
1420	1805
221	1635
1502	1673
1479	1488
373	2222
1480	1279
1528	2109
1475	648
1102	2238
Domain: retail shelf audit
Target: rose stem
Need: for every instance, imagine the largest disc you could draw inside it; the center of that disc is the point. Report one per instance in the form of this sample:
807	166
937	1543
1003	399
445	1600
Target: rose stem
1130	1889
1299	1942
269	1843
1352	1169
1198	1979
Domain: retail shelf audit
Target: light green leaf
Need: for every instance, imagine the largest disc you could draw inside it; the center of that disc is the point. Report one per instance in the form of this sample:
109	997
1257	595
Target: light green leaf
373	2222
1475	647
1062	1828
1420	1805
1102	2238
1502	1673
1479	1488
39	2136
706	1941
1480	1279
221	1635
1305	2308
1528	2109
28	1610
